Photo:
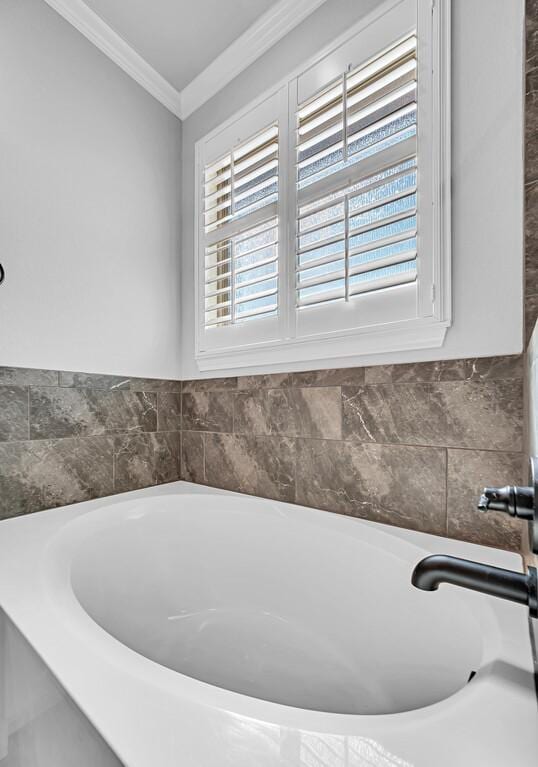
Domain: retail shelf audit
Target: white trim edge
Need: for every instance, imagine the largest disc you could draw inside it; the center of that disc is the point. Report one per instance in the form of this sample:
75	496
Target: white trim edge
339	350
271	27
112	45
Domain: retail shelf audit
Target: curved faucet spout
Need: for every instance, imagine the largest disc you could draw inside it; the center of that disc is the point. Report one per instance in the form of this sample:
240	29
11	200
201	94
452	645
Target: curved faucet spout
495	581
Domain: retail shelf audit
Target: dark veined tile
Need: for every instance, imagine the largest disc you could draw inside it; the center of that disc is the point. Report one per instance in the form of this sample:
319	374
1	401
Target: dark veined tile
208	411
265	381
193	457
13	413
468	472
48	473
10	376
531	238
114	382
308	412
210	384
471	414
168	411
329	377
531	129
156	385
63	412
531	315
263	466
531	18
395	484
441	371
494	368
417	372
70	379
143	460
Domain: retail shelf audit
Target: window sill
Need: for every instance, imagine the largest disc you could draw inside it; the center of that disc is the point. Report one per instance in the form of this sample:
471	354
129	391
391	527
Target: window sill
335	348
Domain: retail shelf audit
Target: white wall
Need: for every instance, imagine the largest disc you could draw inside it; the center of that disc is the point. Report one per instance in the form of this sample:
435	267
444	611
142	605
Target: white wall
89	206
487	112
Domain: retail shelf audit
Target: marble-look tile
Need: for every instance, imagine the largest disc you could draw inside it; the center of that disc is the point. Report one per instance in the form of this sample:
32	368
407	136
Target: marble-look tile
13	413
396	484
531	128
263	466
417	372
308	412
531	78
156	385
494	368
267	381
532	392
71	379
208	411
27	377
330	377
531	315
192	457
439	371
168	411
468	472
531	18
115	382
141	460
485	415
62	412
210	384
47	473
531	238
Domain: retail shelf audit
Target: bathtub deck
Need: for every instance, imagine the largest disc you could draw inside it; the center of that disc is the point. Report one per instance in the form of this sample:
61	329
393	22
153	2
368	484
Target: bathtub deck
152	717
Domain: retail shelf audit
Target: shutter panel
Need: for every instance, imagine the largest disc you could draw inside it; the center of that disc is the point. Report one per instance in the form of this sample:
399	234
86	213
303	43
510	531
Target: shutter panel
241	232
356	176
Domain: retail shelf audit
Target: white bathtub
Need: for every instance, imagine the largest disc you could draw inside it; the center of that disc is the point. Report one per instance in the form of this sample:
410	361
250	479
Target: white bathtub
197	627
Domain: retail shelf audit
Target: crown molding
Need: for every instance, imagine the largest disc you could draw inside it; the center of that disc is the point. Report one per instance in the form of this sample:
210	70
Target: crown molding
271	27
112	45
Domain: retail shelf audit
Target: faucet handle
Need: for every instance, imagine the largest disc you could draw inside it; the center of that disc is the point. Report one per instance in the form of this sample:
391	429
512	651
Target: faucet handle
520	502
512	500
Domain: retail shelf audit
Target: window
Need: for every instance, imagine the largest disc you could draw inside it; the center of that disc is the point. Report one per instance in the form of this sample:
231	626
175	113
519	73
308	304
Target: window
323	210
241	232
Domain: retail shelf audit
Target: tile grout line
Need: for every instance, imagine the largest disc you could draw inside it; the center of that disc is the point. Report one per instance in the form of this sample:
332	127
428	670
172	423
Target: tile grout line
272	435
285	435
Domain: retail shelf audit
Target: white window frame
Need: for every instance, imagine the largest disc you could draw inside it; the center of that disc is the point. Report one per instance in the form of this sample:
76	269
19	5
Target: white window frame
284	340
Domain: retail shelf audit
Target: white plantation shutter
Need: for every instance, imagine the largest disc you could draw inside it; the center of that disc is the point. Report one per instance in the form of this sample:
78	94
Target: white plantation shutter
240	215
356	176
241	232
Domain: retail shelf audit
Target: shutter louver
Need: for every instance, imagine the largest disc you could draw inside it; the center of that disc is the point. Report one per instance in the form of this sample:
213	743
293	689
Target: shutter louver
241	232
357	181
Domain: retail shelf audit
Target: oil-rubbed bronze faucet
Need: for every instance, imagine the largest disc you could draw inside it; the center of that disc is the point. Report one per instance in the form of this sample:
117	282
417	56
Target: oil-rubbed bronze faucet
520	502
495	581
